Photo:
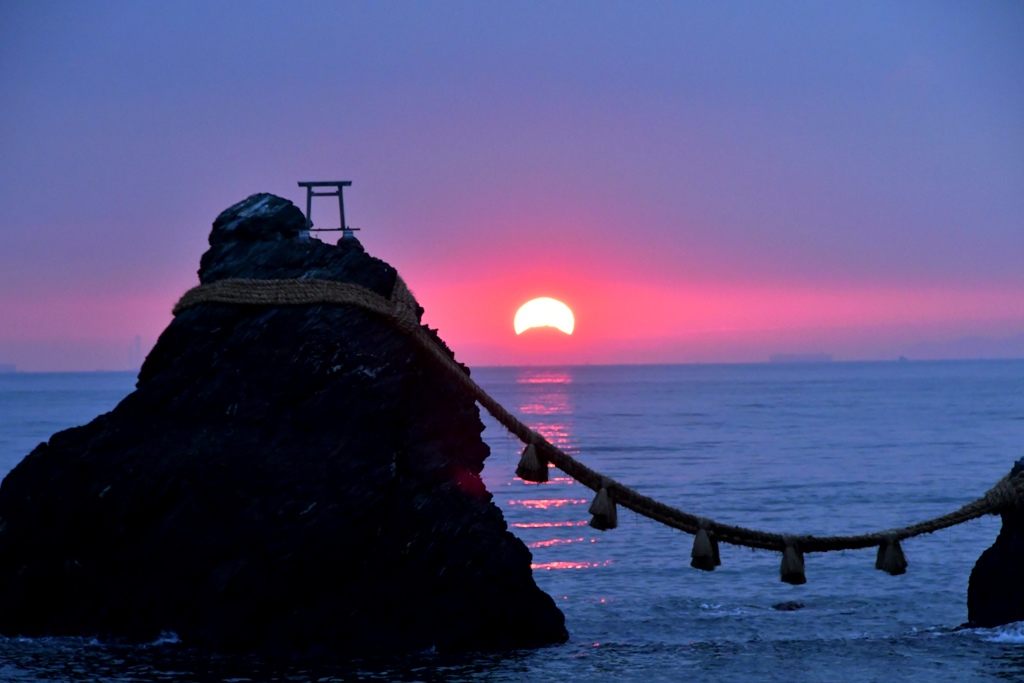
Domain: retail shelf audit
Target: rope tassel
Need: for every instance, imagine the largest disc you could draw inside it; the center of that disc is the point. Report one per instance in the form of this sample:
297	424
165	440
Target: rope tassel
891	558
532	467
705	551
603	510
792	569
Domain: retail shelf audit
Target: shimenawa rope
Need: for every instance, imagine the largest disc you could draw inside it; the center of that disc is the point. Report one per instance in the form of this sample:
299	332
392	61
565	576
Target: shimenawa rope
401	311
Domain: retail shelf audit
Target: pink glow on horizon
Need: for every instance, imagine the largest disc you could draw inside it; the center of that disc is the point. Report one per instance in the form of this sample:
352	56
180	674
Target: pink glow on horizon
616	321
698	182
688	323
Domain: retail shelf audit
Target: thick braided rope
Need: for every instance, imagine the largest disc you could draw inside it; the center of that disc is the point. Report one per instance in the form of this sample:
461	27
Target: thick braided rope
401	310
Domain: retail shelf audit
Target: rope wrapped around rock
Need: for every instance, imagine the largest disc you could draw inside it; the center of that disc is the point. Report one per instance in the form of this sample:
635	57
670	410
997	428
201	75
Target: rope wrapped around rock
401	311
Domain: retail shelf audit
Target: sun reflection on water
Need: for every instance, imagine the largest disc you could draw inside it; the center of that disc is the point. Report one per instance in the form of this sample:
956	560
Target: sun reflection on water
547	403
544	376
554	541
569	565
547	525
548	503
542	408
545	400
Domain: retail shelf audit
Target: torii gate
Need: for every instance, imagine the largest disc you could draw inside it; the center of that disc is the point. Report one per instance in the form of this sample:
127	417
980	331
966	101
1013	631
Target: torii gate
311	192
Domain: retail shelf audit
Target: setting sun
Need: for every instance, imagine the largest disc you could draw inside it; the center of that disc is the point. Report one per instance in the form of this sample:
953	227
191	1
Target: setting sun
544	312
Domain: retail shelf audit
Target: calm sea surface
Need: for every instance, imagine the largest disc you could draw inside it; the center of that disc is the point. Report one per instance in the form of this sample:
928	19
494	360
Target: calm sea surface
823	448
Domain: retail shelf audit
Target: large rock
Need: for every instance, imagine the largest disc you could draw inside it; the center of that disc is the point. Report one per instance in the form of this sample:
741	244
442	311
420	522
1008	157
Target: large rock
995	592
294	481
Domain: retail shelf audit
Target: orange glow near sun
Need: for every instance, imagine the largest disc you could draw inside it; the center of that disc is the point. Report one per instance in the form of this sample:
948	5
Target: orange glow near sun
544	312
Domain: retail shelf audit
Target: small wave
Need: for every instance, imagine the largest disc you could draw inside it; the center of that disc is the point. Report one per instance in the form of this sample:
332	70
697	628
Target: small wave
54	641
166	638
1007	633
717	610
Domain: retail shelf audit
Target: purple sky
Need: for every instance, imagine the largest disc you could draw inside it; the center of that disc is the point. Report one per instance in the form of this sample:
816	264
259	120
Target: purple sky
714	181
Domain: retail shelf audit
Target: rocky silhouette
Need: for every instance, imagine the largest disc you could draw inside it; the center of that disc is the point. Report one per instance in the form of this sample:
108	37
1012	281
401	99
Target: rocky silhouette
995	592
296	481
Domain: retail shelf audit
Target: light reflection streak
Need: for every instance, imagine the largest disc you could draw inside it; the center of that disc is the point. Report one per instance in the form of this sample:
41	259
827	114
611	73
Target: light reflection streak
551	480
554	541
528	376
547	525
556	434
555	404
549	503
570	565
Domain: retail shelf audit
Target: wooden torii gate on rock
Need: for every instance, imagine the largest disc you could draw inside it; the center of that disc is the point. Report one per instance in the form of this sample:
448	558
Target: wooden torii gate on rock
313	189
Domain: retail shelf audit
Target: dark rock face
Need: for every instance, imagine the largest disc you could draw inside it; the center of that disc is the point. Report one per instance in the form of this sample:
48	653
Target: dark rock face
293	481
995	592
788	606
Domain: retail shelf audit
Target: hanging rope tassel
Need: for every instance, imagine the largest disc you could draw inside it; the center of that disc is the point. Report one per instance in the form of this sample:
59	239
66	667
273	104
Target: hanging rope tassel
532	467
603	510
792	569
705	551
891	558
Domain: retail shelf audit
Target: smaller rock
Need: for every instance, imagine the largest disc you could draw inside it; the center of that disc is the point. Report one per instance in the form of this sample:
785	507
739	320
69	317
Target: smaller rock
788	606
995	592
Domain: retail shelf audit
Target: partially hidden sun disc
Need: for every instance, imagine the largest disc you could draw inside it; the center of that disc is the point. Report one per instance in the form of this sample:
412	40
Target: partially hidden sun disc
544	312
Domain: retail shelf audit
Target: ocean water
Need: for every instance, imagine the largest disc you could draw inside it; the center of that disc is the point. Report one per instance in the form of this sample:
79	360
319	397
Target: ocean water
819	448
